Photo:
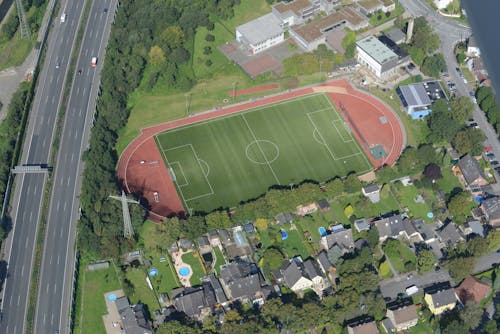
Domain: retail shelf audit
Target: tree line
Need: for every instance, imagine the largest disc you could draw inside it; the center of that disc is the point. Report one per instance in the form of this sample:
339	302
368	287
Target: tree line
144	33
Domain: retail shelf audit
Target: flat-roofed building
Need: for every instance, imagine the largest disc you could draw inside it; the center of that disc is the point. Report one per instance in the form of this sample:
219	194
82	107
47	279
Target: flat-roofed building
298	11
375	55
260	34
418	97
368	7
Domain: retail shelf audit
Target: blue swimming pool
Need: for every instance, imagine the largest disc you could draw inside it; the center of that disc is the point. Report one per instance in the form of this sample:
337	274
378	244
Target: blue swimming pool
184	271
153	272
112	297
322	231
284	235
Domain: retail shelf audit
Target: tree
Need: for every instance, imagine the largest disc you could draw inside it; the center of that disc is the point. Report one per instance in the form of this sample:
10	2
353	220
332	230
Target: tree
460	267
461	108
461	57
459	206
454	327
261	224
491	327
175	327
352	184
425	260
232	316
273	258
477	247
217	219
348	211
471	314
210	38
434	65
179	55
408	162
432	172
172	36
156	55
441	125
372	237
423	37
469	140
335	188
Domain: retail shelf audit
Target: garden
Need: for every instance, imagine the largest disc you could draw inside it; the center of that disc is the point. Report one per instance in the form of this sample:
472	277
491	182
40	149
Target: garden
401	257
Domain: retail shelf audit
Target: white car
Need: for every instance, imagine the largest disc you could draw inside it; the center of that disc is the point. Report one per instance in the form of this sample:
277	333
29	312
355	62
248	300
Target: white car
63	17
93	62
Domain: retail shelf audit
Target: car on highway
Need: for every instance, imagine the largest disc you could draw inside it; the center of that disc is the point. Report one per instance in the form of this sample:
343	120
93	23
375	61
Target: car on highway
58	65
93	62
63	17
457	69
80	72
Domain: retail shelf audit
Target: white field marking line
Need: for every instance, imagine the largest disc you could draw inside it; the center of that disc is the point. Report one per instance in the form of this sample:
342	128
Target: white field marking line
212	192
337	118
358	145
179	190
340	133
328	147
186	183
233	114
241	113
206	164
260	148
315	131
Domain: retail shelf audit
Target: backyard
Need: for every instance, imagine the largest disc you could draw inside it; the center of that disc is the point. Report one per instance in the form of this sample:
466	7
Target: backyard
193	259
401	257
142	292
96	284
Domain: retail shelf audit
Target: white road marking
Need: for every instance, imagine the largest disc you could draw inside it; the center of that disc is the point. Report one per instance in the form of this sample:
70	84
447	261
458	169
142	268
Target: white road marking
77	90
53	99
26	243
72	156
65	204
68	185
58	259
51	78
58	204
50	262
18	300
22	271
57	80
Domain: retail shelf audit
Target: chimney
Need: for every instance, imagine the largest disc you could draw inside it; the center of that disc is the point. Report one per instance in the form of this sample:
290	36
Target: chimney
409	31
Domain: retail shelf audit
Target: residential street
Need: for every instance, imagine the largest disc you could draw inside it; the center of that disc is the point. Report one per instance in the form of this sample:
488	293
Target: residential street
450	33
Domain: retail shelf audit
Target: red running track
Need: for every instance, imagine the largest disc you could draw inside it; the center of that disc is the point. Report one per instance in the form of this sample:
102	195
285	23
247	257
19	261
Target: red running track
142	171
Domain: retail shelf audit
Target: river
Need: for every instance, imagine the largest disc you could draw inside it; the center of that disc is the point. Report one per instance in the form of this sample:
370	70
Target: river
484	19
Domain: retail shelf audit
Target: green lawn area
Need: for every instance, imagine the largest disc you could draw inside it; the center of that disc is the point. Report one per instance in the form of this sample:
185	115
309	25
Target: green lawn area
167	279
96	284
291	247
399	256
449	181
142	292
196	266
14	51
406	197
220	260
421	328
220	162
385	270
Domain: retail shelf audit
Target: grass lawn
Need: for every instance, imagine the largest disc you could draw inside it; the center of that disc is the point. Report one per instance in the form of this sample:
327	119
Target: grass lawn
96	284
167	279
400	256
14	51
449	181
196	266
406	197
219	259
293	246
421	328
385	270
220	162
142	292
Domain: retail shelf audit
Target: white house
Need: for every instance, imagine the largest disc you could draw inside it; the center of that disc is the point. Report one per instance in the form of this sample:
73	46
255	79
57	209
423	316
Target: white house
260	34
442	4
473	48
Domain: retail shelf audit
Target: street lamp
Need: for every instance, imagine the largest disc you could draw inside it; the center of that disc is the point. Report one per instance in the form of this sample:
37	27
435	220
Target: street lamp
187	103
234	89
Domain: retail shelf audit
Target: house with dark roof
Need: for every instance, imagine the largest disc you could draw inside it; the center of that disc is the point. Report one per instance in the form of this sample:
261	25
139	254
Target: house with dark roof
225	236
241	280
402	316
491	210
341	237
440	297
449	234
133	318
203	241
284	217
473	289
326	266
426	231
213	238
214	282
418	97
372	191
323	205
397	226
361	224
185	243
248	227
472	173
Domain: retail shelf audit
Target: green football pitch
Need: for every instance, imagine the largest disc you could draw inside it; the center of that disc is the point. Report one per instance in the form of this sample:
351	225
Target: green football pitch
222	161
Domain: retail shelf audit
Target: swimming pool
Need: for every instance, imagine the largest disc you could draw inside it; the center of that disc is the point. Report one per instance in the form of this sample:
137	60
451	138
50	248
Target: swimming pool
184	271
112	297
322	231
284	235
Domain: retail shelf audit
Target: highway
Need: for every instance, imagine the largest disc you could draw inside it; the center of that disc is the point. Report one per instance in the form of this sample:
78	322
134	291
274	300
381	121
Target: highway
55	286
29	190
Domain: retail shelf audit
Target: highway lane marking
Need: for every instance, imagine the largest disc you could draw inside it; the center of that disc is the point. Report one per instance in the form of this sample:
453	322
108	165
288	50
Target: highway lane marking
53	99
26	243
58	257
51	78
44	142
36	188
72	156
50	262
61	234
65	204
44	317
46	99
77	90
58	204
68	185
29	188
18	299
84	90
31	216
86	53
57	80
60	182
22	271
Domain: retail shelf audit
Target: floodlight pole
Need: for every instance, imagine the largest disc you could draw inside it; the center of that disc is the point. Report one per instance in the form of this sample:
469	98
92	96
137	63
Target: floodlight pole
234	89
128	230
